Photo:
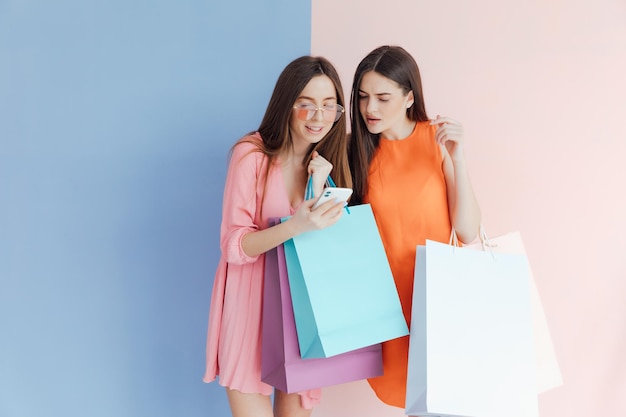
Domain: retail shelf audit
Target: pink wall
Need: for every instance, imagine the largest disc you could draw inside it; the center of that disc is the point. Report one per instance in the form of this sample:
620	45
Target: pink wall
541	90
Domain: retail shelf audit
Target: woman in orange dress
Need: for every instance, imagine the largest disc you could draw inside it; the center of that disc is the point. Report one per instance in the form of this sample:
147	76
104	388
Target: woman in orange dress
412	171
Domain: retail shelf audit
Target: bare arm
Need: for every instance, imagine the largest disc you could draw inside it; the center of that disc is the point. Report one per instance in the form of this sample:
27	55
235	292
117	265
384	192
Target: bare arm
464	211
304	220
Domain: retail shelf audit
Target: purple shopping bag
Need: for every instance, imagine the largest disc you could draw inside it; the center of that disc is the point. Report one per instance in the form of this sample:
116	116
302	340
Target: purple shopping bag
281	364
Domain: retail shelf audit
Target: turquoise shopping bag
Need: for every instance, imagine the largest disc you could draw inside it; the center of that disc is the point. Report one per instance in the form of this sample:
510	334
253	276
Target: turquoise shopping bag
343	293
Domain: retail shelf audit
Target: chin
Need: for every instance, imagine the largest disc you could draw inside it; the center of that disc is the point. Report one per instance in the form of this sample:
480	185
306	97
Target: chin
374	130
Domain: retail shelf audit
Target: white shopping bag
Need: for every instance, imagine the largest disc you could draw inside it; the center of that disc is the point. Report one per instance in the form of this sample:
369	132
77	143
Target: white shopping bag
471	348
548	370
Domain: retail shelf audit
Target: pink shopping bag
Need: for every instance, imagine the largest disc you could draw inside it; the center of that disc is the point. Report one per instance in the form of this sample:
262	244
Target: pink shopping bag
281	363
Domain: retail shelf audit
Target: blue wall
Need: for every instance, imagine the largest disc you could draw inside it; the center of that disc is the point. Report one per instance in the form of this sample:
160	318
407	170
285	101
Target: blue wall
115	121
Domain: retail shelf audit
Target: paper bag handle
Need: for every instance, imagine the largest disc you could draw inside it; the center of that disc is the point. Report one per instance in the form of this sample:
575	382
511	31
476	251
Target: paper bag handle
309	194
484	240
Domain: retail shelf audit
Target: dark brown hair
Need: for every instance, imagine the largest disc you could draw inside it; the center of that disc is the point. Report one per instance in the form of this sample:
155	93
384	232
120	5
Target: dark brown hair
274	128
398	65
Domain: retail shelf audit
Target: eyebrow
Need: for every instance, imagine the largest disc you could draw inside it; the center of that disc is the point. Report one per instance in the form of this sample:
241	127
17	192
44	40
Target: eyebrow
376	94
312	99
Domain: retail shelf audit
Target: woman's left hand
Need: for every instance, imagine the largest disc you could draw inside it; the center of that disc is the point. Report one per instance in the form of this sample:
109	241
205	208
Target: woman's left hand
450	134
319	168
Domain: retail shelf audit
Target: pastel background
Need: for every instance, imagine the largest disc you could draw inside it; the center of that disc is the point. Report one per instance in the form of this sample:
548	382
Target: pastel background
115	122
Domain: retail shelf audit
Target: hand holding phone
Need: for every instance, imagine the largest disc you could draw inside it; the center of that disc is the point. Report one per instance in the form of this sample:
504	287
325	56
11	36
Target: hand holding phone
333	193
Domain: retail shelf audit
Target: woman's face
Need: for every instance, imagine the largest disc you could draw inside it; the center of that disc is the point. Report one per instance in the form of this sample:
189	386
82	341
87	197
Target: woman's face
314	112
383	104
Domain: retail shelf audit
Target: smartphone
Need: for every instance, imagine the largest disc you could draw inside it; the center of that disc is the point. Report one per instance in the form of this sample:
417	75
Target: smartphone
333	193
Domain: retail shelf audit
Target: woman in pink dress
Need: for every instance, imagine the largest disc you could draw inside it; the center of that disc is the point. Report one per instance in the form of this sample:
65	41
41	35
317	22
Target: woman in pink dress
303	133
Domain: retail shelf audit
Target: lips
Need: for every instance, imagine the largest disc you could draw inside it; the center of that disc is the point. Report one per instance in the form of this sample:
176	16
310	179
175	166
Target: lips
315	129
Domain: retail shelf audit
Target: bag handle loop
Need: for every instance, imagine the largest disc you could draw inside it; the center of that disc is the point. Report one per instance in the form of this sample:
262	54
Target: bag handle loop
484	240
309	194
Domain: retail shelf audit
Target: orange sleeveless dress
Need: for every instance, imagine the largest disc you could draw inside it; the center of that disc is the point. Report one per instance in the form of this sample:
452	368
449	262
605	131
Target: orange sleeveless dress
407	192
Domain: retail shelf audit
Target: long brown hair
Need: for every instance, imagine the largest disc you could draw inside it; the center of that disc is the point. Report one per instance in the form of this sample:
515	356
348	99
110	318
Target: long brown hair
397	64
274	128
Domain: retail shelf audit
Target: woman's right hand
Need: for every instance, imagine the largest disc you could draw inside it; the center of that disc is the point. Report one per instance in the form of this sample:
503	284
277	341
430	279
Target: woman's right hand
306	218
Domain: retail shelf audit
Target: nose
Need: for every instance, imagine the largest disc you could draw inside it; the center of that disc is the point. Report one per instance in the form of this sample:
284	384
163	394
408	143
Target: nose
319	114
370	105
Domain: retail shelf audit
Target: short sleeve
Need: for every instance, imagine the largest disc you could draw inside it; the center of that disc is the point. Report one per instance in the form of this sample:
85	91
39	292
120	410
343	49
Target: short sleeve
239	210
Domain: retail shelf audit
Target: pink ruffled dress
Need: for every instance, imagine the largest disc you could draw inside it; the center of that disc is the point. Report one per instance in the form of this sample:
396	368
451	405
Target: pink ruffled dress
234	334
